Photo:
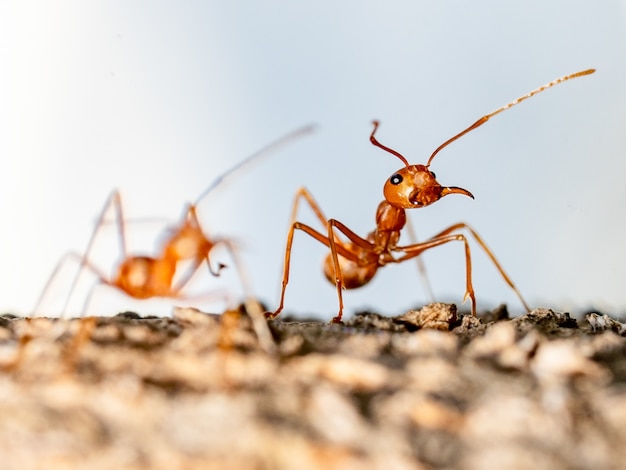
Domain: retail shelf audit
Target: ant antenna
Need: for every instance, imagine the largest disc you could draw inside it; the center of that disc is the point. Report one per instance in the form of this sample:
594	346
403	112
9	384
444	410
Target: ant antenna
485	118
378	144
267	150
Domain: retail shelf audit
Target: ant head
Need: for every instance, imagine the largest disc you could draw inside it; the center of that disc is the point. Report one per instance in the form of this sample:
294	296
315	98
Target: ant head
414	185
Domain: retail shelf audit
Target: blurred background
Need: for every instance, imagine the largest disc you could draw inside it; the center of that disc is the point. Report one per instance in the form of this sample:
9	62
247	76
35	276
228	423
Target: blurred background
157	98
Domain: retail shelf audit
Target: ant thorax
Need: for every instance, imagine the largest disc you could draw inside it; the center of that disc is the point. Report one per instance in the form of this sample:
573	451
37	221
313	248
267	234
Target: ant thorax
389	218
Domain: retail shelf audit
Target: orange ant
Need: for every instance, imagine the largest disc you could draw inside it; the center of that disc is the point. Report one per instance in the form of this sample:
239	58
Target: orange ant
144	277
354	263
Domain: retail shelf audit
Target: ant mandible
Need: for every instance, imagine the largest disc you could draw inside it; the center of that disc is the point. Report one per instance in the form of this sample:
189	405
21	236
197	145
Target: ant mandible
353	263
144	277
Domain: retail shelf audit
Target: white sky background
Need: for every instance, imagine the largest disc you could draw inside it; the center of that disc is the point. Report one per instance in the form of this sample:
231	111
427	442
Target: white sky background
157	98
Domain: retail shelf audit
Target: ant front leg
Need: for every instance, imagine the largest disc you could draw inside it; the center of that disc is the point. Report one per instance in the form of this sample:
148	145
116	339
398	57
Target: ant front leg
361	261
302	192
190	234
412	251
489	253
446	236
337	247
287	261
313	205
205	244
187	241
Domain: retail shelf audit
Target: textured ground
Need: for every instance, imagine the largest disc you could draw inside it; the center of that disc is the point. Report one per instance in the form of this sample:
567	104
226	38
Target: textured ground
426	390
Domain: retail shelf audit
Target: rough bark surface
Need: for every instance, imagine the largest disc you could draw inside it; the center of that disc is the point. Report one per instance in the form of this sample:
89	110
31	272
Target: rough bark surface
429	389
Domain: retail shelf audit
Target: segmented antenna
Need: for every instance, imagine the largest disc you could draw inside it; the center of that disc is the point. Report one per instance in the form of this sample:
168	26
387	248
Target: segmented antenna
265	151
485	118
384	147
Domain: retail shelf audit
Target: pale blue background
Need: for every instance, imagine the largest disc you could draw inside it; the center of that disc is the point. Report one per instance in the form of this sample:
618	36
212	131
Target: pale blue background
158	97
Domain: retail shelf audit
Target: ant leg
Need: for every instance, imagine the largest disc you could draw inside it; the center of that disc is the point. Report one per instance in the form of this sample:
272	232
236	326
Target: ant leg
332	241
411	251
332	223
203	254
421	267
359	256
256	314
314	206
55	272
84	263
214	272
115	201
242	273
259	324
301	193
86	324
192	217
490	254
86	327
340	250
286	264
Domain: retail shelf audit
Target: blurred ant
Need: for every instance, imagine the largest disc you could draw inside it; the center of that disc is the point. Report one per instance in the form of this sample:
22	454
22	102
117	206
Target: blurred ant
353	263
143	277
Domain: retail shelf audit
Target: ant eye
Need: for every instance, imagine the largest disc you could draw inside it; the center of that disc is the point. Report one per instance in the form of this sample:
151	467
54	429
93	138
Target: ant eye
433	173
396	179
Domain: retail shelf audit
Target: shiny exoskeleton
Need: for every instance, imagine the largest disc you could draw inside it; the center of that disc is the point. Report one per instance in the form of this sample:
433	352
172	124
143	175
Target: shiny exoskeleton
353	262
